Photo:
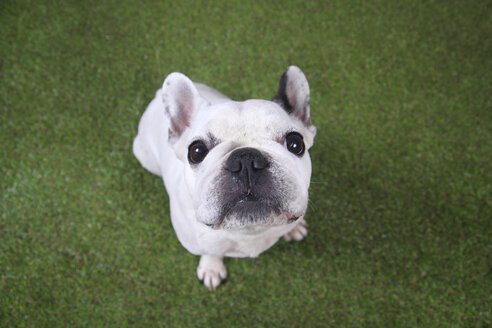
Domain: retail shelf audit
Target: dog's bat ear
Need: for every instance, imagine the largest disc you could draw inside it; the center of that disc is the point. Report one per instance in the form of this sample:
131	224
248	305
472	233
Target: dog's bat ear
180	98
293	94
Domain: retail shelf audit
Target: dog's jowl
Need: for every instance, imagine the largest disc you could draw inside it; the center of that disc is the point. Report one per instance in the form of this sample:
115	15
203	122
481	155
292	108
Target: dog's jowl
237	172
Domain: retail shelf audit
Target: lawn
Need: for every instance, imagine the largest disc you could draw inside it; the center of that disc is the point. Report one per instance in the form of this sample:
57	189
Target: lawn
400	213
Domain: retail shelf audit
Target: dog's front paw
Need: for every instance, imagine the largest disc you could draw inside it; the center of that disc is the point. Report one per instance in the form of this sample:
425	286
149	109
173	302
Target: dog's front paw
211	271
298	233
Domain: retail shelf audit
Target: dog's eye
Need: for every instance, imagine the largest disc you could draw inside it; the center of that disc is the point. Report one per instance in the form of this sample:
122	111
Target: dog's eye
295	144
197	152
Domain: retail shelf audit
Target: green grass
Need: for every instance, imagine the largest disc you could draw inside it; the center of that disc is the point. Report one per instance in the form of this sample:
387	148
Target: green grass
401	201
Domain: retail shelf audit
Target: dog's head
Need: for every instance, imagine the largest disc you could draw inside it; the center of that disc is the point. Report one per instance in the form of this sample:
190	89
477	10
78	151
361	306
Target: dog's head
246	163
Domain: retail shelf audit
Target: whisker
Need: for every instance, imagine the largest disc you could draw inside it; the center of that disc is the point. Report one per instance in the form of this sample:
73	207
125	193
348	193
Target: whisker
319	182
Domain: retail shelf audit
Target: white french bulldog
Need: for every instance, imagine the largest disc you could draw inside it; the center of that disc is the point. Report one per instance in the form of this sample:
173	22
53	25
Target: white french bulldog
237	173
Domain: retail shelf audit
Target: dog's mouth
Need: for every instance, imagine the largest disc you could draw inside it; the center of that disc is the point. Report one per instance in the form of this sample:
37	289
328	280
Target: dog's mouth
251	211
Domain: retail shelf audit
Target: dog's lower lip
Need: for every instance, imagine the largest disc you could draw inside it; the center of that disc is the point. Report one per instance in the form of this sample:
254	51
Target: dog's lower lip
288	217
294	218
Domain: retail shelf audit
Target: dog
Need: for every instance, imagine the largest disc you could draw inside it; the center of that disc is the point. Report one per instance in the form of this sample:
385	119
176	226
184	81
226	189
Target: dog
237	172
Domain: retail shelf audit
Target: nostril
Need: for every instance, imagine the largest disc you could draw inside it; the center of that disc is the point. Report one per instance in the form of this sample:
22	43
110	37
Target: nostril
246	160
259	163
234	166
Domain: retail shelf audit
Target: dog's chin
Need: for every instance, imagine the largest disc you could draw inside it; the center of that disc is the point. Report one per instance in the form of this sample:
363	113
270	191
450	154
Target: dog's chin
246	214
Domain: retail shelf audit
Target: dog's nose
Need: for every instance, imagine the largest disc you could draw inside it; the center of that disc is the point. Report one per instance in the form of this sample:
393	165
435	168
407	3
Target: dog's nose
247	164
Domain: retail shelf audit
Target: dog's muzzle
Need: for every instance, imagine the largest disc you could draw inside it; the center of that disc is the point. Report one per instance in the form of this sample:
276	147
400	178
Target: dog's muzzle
249	193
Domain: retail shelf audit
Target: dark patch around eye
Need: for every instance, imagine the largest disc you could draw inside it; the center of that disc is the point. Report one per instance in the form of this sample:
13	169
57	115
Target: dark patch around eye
212	140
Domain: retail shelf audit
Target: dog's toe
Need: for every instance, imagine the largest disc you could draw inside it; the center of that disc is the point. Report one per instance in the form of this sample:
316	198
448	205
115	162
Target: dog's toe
298	233
211	271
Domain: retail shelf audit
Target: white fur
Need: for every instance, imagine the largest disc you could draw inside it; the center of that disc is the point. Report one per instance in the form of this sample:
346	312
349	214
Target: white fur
253	123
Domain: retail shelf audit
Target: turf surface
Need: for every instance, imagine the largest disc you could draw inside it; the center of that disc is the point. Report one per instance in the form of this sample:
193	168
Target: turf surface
401	200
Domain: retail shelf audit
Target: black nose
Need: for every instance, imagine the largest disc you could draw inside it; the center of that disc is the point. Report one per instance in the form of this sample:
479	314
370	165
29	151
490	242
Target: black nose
248	166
